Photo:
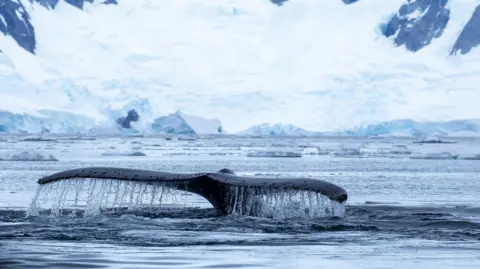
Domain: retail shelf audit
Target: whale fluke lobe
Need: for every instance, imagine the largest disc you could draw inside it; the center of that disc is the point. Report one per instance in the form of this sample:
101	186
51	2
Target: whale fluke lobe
226	191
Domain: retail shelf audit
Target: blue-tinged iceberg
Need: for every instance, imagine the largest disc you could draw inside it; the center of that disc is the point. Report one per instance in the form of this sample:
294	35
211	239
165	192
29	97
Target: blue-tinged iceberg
413	128
183	124
265	129
44	121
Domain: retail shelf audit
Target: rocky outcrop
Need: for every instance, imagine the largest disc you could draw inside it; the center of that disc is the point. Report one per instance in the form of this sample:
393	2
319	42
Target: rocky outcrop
417	23
125	122
470	35
15	22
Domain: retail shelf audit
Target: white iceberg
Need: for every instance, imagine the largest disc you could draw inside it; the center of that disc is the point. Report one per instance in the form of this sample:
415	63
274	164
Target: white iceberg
429	130
182	124
435	156
44	121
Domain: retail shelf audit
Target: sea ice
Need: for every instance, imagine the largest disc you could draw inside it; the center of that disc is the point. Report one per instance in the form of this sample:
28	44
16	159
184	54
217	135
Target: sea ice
28	156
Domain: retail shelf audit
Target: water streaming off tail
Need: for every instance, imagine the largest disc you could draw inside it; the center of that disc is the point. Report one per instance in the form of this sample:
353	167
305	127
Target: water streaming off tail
281	203
94	196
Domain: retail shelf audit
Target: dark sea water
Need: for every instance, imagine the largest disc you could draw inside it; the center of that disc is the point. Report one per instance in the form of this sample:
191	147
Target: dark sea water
410	206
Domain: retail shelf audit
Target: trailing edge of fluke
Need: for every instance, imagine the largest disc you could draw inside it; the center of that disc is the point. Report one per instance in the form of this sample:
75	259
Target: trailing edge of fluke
212	186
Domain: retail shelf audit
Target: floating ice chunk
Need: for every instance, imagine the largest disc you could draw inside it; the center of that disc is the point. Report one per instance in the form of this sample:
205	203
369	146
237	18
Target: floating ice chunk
134	153
322	151
187	138
28	156
38	139
475	157
310	151
275	154
400	152
104	130
348	152
434	141
435	156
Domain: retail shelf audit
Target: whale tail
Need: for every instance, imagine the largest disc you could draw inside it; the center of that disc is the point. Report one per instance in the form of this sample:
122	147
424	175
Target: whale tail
225	190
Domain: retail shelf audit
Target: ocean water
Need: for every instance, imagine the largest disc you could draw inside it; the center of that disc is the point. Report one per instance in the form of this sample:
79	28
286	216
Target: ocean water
411	205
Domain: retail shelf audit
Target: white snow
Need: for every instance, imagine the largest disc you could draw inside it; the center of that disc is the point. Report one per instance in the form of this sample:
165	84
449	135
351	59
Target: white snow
2	19
320	65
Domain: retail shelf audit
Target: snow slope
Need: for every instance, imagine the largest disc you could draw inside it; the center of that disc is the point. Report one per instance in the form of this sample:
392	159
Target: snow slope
321	65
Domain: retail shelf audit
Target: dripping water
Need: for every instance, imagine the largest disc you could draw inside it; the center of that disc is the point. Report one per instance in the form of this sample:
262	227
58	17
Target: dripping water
282	203
95	196
91	197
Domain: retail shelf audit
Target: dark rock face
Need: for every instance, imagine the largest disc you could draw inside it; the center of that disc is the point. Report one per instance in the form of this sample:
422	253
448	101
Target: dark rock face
76	3
470	35
418	22
50	4
348	2
15	22
110	2
278	2
125	122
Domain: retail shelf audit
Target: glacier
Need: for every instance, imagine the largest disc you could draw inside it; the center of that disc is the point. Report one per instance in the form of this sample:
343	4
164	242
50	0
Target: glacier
320	65
278	129
411	128
399	128
44	121
61	122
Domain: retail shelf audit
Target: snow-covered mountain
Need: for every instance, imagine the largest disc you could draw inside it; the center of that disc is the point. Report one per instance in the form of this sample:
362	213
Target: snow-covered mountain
321	65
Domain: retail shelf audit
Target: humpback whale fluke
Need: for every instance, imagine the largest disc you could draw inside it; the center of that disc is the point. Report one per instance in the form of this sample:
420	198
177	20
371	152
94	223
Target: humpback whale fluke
215	187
